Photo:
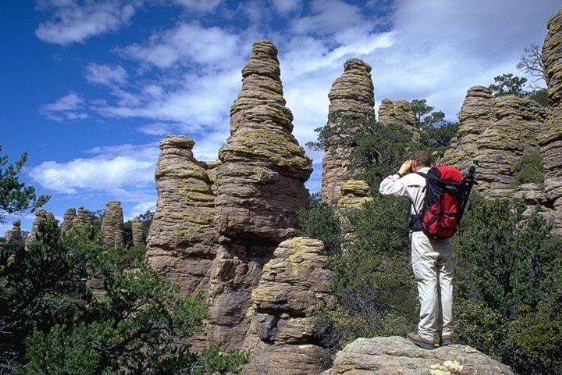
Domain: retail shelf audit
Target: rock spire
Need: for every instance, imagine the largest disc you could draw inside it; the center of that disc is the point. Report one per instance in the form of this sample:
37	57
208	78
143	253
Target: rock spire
550	138
399	112
260	184
14	237
41	216
112	226
352	101
259	190
69	220
496	134
182	238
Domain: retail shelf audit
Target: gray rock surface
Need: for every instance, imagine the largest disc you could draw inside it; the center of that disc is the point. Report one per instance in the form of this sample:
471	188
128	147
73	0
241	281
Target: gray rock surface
398	356
352	99
112	226
182	240
282	336
550	138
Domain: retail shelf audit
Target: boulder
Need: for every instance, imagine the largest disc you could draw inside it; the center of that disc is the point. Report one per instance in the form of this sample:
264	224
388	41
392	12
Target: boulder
398	356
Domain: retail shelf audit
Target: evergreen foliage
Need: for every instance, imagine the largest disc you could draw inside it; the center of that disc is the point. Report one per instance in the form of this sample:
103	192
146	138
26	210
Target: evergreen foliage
508	271
15	196
70	306
507	287
319	221
529	169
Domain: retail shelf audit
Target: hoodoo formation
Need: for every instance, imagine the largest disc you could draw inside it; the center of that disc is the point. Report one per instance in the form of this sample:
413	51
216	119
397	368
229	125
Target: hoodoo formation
259	190
182	237
399	112
550	138
112	226
352	99
260	184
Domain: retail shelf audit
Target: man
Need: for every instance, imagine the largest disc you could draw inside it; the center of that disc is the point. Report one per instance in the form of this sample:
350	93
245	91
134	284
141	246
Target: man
432	261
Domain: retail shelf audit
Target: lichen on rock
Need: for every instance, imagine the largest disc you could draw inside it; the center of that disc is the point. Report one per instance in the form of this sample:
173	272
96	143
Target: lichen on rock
282	336
260	182
352	100
182	240
397	355
112	225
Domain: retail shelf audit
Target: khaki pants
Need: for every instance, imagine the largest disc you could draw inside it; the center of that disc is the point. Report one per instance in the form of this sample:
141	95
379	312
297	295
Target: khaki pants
432	263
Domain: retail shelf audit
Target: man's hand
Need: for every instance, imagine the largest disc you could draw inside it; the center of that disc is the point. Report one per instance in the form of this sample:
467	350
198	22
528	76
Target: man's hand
405	168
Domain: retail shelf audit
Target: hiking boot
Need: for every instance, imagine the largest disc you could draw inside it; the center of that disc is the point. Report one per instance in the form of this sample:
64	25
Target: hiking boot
420	341
446	340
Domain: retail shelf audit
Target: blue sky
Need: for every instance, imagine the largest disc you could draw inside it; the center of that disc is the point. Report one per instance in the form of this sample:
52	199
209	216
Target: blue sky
89	88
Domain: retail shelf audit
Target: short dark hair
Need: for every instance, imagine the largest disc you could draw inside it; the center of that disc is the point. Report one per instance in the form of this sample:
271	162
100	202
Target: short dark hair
422	158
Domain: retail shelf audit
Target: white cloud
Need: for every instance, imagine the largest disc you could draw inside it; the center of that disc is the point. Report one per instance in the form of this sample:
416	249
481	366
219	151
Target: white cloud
286	6
106	75
328	17
199	5
141	208
442	48
210	47
74	23
121	171
69	107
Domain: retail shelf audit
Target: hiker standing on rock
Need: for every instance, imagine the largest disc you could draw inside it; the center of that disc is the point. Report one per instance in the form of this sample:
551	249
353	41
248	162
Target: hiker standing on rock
432	261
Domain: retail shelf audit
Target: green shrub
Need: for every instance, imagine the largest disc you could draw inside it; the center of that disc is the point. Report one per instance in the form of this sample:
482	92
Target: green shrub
507	287
529	169
134	322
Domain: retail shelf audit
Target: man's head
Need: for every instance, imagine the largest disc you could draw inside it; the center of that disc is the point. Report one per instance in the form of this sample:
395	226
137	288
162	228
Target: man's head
420	159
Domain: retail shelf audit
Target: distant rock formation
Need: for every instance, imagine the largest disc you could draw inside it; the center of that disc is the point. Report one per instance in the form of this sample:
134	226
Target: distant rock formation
41	216
550	138
260	183
69	220
397	355
495	134
352	98
399	112
112	226
355	193
14	237
282	337
136	229
84	217
259	190
182	239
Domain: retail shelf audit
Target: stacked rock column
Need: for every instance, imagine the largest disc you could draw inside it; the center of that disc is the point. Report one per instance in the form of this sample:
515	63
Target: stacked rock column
259	188
182	239
282	336
112	226
399	112
551	138
352	101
